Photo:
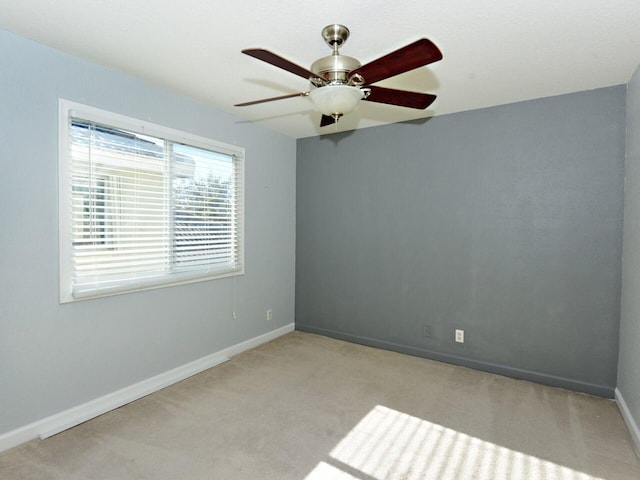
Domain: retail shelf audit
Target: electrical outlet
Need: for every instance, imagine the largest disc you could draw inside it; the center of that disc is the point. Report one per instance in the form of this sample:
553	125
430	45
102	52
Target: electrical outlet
460	336
426	331
269	314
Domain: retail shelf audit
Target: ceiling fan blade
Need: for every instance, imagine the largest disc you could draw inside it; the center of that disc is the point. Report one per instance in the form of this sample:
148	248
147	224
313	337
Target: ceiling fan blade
272	99
278	61
327	120
417	54
401	98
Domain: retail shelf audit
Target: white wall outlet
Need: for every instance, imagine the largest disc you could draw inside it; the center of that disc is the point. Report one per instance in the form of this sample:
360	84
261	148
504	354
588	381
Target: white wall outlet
426	331
460	336
269	314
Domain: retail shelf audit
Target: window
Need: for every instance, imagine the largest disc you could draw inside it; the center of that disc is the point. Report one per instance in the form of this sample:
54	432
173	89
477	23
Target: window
144	206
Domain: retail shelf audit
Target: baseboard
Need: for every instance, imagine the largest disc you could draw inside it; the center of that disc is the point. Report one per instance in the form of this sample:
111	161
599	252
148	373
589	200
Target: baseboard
632	424
59	422
522	374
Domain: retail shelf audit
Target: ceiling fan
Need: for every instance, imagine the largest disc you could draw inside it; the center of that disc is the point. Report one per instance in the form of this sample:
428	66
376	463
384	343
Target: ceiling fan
340	82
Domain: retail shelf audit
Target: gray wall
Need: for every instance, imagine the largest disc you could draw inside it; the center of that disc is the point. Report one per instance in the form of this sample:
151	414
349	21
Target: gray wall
505	222
629	362
53	357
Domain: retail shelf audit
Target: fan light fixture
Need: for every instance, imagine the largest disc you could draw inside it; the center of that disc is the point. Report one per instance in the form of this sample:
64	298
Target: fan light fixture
336	100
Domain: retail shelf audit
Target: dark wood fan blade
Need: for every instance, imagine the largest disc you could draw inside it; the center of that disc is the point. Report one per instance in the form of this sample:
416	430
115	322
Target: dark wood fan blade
414	55
278	61
401	98
327	120
272	99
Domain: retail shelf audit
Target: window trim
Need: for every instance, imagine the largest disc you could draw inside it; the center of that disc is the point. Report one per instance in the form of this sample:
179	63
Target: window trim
68	109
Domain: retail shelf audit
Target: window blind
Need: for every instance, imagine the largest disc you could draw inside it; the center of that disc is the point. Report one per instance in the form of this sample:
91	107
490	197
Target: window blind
148	211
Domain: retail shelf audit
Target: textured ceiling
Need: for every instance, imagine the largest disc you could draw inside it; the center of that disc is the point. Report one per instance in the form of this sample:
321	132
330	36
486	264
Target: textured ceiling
495	52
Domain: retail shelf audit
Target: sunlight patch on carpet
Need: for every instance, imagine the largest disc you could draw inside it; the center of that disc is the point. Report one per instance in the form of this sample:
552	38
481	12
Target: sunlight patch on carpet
388	444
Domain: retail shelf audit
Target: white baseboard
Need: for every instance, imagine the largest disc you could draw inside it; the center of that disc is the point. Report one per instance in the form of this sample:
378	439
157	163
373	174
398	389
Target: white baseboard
59	422
631	422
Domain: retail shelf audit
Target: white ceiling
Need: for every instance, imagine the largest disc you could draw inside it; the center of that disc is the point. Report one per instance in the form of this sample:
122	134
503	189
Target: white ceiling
495	52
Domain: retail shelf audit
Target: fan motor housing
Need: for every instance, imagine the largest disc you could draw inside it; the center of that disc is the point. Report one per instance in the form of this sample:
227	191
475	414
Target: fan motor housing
335	68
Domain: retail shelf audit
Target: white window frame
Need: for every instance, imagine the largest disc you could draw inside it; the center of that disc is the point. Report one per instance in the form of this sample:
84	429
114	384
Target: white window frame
68	109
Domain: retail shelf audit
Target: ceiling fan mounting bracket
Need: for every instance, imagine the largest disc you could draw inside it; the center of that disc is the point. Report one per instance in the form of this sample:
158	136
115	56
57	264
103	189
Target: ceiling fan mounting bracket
335	35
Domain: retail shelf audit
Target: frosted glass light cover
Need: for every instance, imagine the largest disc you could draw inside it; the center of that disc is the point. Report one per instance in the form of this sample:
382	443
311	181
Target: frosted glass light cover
336	99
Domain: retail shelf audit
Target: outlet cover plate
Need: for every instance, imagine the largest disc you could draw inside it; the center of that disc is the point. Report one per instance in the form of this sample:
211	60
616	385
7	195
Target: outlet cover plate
426	331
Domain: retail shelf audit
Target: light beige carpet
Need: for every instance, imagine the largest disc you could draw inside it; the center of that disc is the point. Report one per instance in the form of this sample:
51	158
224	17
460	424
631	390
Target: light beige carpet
309	407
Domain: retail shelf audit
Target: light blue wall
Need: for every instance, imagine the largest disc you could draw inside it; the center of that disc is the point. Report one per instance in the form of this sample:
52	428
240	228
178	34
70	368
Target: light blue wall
629	362
505	222
52	356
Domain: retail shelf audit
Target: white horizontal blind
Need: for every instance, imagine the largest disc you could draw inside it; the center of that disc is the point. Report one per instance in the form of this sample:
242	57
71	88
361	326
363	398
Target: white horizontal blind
148	211
205	200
